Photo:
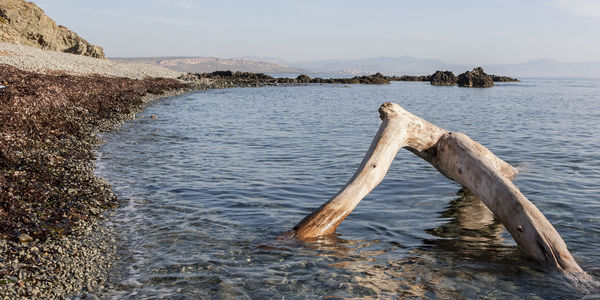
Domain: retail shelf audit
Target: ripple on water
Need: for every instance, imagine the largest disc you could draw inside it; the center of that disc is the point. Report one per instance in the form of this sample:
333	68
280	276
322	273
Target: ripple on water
209	186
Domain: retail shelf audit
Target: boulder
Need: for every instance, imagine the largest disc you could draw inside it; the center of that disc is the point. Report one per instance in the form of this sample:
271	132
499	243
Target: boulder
302	78
376	78
24	23
410	78
497	78
475	78
443	78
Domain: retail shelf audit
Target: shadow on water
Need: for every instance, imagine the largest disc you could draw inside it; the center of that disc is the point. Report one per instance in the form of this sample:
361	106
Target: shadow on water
470	255
471	230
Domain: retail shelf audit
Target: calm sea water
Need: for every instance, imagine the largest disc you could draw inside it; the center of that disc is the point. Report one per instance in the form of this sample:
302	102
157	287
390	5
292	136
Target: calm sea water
209	185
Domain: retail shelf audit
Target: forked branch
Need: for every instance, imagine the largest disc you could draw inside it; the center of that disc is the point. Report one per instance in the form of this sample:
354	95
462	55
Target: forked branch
459	158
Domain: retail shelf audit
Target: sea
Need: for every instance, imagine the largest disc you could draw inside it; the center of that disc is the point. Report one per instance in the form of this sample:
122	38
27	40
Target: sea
208	182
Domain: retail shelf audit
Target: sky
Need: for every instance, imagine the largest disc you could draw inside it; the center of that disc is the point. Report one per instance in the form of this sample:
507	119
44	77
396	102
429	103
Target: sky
456	32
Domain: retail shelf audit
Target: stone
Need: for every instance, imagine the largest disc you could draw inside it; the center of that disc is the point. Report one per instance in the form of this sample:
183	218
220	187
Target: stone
497	78
25	238
302	78
91	297
443	78
475	78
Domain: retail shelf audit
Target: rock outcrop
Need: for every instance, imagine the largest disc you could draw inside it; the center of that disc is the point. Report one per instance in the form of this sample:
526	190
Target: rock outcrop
447	78
475	78
497	78
24	23
409	78
302	78
228	79
443	78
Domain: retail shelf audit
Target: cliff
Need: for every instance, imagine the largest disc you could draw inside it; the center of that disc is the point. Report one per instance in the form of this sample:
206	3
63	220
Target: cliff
24	23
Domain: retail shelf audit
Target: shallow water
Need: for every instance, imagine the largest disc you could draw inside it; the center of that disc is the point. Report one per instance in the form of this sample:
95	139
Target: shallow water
209	185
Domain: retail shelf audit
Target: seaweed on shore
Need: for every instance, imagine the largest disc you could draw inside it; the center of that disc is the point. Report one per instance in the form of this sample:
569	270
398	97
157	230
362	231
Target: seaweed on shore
47	126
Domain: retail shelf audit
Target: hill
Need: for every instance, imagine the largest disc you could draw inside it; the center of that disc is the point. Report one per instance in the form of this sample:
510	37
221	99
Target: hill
24	23
211	64
404	65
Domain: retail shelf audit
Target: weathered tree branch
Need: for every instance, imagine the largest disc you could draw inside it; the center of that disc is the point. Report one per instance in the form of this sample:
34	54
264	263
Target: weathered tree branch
459	158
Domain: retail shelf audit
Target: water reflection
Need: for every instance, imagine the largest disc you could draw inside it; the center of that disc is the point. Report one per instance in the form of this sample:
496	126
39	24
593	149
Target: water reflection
443	267
216	183
471	231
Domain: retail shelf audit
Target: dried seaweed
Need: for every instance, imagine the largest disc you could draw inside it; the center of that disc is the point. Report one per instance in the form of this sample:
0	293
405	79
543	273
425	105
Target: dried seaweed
47	127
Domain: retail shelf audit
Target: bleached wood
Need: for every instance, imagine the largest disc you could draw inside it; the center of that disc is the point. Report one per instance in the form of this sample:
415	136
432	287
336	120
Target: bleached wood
459	158
398	129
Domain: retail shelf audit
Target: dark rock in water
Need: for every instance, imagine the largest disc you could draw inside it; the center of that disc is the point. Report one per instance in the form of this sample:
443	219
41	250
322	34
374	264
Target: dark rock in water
228	79
497	78
475	78
303	78
443	78
448	78
376	78
220	73
410	78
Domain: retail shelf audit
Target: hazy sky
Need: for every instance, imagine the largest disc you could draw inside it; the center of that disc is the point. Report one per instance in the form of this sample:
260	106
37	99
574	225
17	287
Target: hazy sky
460	32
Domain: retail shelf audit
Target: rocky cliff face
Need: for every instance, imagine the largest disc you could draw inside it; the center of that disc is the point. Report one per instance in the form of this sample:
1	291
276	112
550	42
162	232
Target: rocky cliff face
24	23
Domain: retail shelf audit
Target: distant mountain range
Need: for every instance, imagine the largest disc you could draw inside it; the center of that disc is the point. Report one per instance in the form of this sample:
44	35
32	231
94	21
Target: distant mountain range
210	64
404	65
548	68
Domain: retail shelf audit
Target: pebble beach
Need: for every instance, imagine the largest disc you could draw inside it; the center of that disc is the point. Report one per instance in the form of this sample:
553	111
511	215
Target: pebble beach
44	61
53	244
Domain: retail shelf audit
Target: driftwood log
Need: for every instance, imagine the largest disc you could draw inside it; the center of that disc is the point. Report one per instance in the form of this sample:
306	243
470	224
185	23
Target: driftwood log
460	159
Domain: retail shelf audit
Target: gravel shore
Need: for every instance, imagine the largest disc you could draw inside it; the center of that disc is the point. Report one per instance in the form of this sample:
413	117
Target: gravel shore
75	265
46	61
52	241
53	244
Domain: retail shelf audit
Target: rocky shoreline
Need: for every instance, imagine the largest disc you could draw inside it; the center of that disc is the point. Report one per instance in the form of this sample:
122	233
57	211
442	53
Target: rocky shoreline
228	79
52	243
475	78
